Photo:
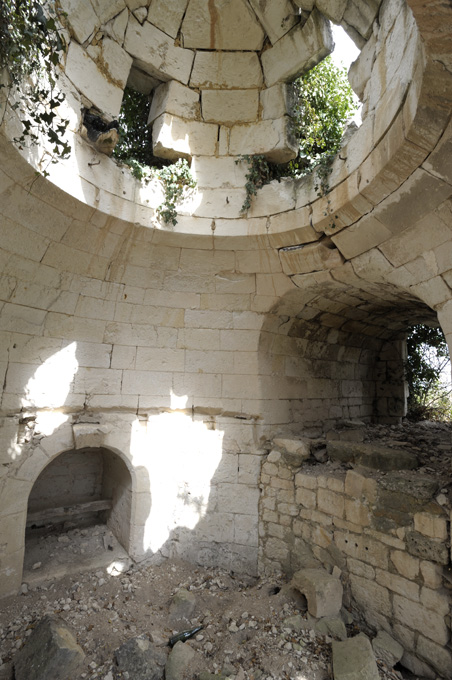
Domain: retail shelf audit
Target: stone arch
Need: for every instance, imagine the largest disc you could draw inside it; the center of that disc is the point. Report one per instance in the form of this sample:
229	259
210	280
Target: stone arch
334	350
68	438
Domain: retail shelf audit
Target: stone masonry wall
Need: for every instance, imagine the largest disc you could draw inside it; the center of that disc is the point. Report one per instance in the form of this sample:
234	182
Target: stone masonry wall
390	539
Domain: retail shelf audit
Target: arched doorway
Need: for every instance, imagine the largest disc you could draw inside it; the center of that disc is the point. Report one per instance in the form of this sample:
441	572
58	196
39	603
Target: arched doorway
79	515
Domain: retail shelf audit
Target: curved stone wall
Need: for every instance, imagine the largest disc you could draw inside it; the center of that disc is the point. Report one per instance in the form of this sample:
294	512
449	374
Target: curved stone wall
186	347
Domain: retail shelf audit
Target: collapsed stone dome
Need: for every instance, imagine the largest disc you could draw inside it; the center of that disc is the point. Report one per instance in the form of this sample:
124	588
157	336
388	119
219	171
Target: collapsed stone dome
170	355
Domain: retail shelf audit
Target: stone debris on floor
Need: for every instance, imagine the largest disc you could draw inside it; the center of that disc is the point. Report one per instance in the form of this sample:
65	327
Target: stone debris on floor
255	629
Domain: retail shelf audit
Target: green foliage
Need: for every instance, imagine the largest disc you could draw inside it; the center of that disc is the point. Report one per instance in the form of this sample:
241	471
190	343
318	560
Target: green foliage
176	179
135	136
427	358
135	150
322	103
30	48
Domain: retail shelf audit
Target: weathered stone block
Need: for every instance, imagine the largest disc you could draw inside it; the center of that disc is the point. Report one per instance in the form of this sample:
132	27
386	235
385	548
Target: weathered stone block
298	51
141	659
91	81
234	29
174	137
155	53
387	649
272	138
50	652
167	15
426	548
354	659
418	617
229	107
226	70
276	17
430	525
322	591
174	98
372	456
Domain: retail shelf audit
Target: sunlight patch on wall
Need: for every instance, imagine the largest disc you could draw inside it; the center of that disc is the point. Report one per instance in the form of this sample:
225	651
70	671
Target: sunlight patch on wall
181	456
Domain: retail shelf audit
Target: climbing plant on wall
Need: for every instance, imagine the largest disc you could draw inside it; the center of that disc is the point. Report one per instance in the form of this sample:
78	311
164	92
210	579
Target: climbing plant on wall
425	368
31	46
323	102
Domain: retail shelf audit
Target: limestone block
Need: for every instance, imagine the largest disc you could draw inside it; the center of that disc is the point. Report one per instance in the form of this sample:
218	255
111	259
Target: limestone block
298	51
360	71
436	655
307	5
211	172
276	101
276	17
322	591
229	107
82	19
331	503
226	70
273	198
432	574
141	81
155	53
51	651
415	615
333	11
353	659
272	138
167	15
310	258
91	81
431	525
295	451
174	98
364	549
405	564
372	456
112	60
139	658
361	15
106	11
174	137
426	548
221	26
117	27
438	600
398	584
370	597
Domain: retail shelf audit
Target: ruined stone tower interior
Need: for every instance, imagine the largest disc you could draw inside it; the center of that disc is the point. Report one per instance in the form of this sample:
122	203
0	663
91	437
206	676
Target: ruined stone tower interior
175	379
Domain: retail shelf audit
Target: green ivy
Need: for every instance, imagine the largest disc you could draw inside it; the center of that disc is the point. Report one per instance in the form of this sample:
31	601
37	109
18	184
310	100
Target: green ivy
175	179
323	101
31	45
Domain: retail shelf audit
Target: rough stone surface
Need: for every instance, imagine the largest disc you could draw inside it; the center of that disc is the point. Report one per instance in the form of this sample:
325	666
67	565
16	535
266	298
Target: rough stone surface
353	659
322	591
206	27
369	455
141	659
51	652
182	605
387	649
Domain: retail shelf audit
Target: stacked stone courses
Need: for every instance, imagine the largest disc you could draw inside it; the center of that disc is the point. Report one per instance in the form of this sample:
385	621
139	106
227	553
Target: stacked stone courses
392	569
171	355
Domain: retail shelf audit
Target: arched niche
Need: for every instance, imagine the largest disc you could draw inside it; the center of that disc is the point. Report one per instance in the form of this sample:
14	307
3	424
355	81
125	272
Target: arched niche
80	507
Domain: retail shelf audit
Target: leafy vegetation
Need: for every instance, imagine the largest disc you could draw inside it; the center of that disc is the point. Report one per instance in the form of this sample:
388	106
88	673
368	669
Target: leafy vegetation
31	46
135	150
323	101
427	359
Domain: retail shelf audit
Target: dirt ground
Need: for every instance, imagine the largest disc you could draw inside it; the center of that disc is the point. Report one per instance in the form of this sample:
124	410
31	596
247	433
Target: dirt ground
243	636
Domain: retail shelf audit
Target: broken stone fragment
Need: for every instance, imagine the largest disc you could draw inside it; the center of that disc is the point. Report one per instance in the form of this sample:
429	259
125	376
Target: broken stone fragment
322	591
182	659
182	605
387	649
51	652
294	451
371	456
141	659
353	659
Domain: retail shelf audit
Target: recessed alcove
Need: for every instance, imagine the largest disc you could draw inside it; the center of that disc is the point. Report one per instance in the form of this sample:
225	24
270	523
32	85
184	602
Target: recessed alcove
79	514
